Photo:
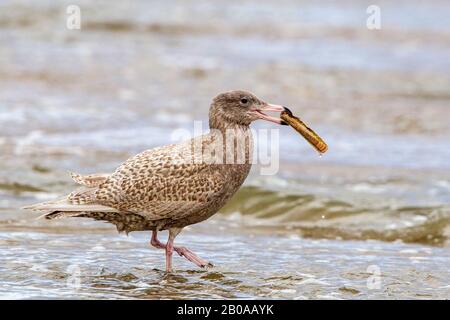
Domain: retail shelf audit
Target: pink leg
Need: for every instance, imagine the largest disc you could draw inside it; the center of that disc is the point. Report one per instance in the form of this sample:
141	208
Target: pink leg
155	242
169	252
188	254
182	251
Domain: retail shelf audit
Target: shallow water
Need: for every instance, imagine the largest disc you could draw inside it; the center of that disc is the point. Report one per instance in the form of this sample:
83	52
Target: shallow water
95	263
86	100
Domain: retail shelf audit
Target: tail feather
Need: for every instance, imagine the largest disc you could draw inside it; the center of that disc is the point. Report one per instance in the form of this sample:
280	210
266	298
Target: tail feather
91	180
82	203
64	208
65	205
52	215
82	196
123	222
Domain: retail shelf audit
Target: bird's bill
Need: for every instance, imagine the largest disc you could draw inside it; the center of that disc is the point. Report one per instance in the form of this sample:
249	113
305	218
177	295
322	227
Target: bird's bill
269	107
287	118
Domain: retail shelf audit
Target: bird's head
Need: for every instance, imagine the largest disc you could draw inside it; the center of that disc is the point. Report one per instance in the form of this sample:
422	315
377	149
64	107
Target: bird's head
241	108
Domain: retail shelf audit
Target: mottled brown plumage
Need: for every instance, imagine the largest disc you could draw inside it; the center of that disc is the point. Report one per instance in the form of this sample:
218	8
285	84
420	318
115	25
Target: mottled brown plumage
170	187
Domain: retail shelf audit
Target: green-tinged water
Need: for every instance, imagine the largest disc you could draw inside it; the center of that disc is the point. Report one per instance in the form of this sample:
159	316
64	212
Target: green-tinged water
369	219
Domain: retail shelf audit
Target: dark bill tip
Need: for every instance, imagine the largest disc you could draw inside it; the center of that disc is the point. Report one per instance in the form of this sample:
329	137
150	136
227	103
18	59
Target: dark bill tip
286	109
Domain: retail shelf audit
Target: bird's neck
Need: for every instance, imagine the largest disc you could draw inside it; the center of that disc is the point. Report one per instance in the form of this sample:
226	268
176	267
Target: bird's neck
223	127
235	141
230	130
219	120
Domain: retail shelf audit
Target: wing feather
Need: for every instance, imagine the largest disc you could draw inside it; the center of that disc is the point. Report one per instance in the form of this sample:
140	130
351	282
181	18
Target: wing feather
161	184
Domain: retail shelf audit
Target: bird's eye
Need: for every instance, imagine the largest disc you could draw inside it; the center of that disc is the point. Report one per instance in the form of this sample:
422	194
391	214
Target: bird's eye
244	100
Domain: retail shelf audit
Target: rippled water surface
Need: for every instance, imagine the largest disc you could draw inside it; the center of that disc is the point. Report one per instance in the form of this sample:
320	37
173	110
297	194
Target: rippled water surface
248	265
369	219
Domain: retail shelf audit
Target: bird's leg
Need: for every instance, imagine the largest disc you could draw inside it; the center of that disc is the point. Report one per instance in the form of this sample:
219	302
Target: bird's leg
173	232
188	254
155	242
169	252
182	251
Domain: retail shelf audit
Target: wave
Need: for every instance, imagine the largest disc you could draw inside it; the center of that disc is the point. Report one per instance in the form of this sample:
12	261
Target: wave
15	187
319	217
315	217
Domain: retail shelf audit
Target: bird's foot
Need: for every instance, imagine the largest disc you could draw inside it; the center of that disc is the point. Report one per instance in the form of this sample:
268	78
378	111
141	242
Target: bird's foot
182	251
191	256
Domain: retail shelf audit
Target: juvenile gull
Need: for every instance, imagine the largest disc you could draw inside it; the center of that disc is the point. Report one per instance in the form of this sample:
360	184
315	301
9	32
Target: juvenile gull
171	187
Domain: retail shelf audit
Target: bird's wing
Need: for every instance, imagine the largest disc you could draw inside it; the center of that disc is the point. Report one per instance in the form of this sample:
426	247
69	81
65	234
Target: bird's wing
162	183
91	180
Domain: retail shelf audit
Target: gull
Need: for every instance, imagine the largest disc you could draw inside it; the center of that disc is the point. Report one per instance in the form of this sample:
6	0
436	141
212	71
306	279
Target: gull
173	186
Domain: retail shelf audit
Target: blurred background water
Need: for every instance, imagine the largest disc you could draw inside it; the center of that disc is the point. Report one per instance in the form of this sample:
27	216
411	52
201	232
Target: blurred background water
85	100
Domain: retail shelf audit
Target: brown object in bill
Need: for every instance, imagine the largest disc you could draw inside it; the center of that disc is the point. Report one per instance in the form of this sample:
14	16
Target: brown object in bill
313	138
